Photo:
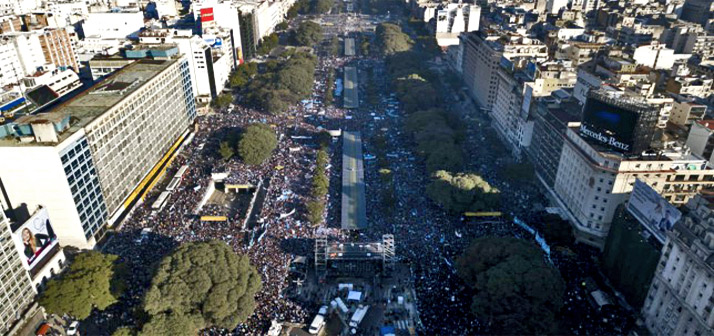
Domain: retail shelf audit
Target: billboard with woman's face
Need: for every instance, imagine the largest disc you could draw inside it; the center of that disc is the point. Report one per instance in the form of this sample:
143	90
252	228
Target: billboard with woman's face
35	239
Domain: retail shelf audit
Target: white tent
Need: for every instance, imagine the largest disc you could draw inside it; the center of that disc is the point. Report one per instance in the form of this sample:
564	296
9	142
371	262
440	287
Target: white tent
354	296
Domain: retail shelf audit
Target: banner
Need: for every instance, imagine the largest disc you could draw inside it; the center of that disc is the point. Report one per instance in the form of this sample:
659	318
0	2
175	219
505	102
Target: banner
652	210
35	239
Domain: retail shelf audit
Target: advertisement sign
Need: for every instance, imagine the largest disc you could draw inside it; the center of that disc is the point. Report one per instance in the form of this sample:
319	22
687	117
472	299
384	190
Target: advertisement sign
652	210
206	14
609	125
213	40
35	239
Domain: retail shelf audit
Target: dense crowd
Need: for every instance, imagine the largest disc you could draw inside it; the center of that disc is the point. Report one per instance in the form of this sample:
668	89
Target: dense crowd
426	238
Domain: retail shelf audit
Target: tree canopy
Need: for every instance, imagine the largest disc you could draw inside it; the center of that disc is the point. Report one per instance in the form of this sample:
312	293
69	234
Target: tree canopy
223	100
200	285
243	74
308	33
93	280
438	135
391	39
322	6
268	43
462	192
516	292
257	143
281	82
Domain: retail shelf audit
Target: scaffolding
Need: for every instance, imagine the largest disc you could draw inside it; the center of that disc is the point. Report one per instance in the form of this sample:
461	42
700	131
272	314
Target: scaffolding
320	256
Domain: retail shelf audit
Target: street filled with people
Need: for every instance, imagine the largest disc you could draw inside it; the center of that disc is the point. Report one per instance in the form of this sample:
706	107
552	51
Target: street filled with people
427	238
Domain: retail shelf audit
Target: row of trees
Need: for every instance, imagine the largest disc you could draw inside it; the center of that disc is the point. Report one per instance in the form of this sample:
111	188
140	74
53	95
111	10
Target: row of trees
320	188
282	82
254	144
329	87
515	290
199	285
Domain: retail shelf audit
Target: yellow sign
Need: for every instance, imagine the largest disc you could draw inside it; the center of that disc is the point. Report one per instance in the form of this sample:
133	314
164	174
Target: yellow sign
238	186
483	214
214	218
279	167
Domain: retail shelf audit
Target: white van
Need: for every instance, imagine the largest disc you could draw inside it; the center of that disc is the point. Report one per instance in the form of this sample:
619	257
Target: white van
316	324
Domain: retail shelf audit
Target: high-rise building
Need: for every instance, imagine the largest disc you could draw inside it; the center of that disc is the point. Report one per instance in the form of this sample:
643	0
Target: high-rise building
90	158
485	54
698	11
16	290
680	300
603	156
453	19
57	48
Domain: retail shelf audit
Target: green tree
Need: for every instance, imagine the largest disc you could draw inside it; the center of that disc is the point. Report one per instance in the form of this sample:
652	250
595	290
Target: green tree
257	143
516	291
223	100
281	26
124	331
322	6
171	323
315	208
390	39
94	280
243	74
335	46
321	158
308	33
320	184
323	139
226	150
200	285
267	44
462	192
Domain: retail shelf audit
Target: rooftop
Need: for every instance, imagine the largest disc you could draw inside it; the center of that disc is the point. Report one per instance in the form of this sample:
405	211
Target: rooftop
93	102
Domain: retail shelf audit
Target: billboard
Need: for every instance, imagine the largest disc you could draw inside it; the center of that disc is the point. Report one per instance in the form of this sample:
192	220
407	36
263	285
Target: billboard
206	14
652	210
35	239
609	125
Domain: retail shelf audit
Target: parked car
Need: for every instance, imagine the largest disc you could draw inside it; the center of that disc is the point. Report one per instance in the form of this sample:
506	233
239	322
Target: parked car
73	329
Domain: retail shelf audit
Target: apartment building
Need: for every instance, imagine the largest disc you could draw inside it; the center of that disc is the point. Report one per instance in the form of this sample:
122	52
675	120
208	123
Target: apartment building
602	158
690	85
16	291
91	157
453	19
686	111
680	300
482	58
517	89
12	68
